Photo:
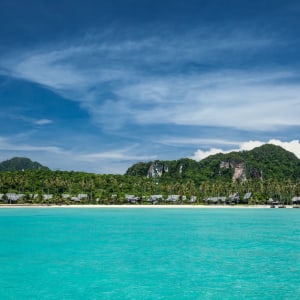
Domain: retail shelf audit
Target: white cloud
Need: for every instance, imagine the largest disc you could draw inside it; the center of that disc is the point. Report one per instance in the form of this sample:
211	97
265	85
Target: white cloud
43	121
113	161
292	146
190	141
140	81
30	120
201	154
115	155
122	155
8	145
253	101
144	80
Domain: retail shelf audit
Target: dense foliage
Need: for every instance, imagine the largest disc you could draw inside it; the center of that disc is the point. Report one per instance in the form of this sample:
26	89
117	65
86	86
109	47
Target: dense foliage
185	177
269	161
20	163
113	188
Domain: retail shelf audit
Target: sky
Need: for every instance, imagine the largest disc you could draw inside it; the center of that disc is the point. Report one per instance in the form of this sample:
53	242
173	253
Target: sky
98	85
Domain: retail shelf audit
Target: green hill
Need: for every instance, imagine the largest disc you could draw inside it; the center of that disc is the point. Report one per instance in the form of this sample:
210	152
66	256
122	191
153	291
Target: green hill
267	172
20	164
267	162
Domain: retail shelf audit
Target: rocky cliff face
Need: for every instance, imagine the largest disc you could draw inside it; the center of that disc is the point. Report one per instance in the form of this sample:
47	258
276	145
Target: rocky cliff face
265	162
239	169
157	170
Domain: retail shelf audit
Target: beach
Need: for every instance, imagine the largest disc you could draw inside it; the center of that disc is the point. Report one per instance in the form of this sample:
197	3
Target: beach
139	206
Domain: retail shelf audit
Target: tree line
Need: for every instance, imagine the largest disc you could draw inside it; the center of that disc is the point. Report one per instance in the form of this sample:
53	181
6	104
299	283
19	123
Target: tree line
109	189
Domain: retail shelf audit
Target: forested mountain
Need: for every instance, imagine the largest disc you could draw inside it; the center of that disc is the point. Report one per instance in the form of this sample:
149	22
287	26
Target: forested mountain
20	164
265	162
266	172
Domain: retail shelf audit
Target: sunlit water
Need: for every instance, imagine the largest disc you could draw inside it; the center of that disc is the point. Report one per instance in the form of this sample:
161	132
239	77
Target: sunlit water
113	253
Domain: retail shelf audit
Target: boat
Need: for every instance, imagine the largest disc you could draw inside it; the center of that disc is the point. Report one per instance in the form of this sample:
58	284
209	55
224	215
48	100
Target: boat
281	206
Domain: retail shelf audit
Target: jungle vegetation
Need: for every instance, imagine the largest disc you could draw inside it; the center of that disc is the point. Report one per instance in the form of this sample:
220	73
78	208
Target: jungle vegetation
280	180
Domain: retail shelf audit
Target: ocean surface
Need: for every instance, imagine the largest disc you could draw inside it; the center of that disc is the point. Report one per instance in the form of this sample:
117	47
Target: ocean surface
117	253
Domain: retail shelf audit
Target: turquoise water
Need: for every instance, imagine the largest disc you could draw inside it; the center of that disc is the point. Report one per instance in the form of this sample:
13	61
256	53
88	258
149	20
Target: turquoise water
73	253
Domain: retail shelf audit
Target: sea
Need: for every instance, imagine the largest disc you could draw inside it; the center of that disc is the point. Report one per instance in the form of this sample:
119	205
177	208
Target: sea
162	253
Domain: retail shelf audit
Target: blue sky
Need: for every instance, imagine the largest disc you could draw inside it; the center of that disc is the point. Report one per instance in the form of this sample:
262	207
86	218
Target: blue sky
99	85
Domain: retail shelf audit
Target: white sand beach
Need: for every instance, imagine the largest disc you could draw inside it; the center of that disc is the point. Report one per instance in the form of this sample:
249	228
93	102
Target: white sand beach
138	206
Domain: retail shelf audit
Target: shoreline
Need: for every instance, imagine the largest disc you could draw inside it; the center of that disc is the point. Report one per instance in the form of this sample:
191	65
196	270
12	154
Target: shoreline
198	206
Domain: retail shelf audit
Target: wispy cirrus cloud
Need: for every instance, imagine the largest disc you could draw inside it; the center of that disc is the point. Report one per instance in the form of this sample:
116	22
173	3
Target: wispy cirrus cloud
116	155
8	144
194	141
167	81
43	122
82	63
157	80
230	99
114	161
30	120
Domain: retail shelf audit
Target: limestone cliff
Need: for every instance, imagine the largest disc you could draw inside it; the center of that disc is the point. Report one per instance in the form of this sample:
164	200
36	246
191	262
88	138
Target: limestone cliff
156	169
238	167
